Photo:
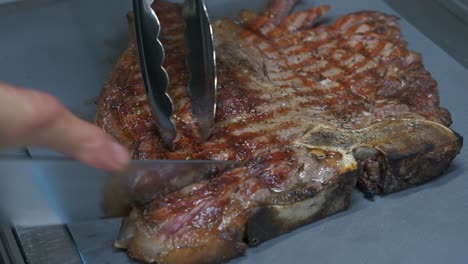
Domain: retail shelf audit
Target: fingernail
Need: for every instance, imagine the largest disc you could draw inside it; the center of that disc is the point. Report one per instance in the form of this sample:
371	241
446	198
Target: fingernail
120	156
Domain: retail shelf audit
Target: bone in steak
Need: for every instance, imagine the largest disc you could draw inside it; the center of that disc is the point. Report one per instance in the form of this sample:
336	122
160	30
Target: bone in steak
309	109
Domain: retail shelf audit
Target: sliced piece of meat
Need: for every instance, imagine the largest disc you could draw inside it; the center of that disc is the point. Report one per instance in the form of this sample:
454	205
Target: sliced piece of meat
308	110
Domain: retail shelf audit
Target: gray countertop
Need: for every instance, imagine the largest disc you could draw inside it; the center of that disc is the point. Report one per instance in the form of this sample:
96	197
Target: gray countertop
68	48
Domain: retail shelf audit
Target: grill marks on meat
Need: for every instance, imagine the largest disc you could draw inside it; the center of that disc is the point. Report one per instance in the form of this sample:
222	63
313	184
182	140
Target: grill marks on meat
125	110
346	70
309	110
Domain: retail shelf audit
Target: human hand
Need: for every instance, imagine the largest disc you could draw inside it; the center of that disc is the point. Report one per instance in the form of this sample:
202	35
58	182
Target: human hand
33	118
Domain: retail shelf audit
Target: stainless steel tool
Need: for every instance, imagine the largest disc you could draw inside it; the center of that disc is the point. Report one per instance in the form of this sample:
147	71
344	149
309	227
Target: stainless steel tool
151	54
58	191
200	62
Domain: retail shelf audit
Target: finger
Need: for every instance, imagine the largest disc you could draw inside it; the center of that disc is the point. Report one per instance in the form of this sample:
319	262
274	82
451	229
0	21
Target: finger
37	119
83	141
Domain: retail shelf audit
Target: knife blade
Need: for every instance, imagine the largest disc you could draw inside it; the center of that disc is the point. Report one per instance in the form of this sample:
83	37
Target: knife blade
57	191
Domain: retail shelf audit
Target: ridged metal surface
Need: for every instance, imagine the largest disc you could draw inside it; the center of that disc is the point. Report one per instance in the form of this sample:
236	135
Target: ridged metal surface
10	251
48	245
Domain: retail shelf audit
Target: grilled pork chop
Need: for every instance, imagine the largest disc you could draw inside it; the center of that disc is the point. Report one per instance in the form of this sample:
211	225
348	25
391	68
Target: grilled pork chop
308	110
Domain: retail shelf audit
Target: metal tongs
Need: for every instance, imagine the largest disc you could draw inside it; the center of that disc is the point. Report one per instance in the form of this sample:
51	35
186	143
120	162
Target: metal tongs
200	61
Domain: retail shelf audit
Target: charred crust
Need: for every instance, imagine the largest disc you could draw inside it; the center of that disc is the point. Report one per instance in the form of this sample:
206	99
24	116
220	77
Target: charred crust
262	226
388	172
374	165
266	222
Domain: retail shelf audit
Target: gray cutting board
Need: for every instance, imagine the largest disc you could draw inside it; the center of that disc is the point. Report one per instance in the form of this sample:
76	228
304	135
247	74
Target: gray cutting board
68	48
